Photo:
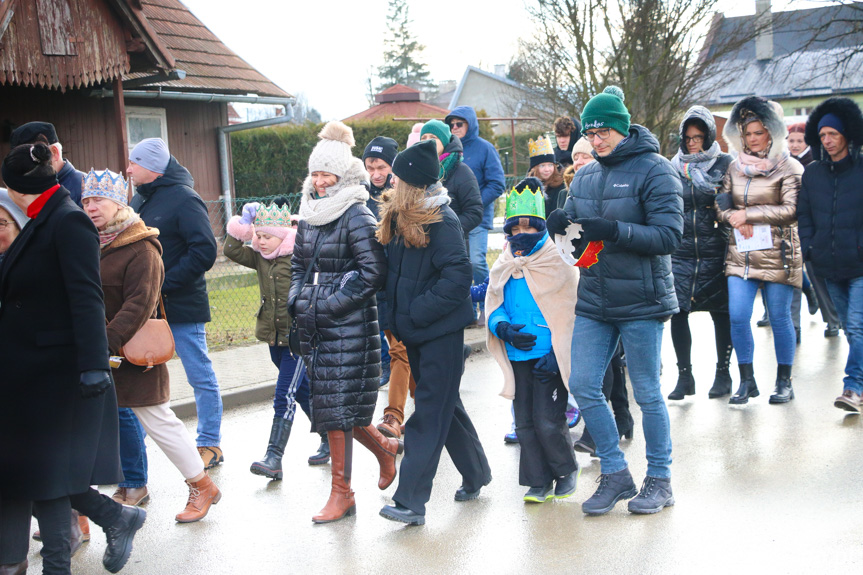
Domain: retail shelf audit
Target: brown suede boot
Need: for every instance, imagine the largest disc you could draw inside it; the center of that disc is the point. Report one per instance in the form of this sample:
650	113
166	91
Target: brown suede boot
202	494
384	448
341	502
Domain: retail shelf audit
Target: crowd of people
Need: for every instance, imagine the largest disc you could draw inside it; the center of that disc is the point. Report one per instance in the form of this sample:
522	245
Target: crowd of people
382	269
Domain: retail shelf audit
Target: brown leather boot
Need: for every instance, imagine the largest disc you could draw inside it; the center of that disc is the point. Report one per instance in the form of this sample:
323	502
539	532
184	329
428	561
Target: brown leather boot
341	502
384	448
202	494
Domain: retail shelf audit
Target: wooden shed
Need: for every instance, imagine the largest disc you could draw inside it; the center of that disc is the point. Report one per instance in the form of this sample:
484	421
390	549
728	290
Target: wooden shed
108	73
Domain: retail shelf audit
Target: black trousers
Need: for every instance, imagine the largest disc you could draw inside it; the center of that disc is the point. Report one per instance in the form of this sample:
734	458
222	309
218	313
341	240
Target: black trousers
439	420
540	423
681	337
14	531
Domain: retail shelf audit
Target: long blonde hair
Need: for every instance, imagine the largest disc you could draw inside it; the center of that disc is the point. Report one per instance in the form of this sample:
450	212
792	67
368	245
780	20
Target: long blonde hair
404	213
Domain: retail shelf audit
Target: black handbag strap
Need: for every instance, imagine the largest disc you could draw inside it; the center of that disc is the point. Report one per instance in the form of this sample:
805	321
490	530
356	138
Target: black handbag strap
318	247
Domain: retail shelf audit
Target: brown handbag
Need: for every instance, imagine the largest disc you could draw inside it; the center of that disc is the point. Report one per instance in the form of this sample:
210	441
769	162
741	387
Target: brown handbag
153	344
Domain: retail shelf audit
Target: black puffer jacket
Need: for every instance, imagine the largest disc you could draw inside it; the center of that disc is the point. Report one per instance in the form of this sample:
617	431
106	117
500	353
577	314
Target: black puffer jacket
639	189
374	204
338	330
699	263
463	190
829	206
554	198
429	288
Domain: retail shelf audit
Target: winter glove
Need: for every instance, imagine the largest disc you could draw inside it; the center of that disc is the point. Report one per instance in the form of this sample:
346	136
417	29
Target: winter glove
725	202
351	284
477	292
546	365
95	382
598	229
250	210
557	222
514	337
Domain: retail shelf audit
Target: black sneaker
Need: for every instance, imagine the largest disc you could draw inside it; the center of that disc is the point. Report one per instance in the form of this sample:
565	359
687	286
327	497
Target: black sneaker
120	536
655	495
565	486
612	488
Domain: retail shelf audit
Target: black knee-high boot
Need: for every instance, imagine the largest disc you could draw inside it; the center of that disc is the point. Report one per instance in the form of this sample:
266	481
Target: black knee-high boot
271	465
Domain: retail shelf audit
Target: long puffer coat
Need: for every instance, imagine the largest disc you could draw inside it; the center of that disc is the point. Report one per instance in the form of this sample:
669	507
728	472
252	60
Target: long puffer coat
339	332
639	189
699	263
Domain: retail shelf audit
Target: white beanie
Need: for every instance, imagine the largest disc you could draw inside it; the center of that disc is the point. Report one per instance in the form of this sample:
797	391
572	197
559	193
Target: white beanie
333	152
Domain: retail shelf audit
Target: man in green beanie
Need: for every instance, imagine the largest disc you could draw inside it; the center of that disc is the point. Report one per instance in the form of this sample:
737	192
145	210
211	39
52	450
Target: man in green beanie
630	201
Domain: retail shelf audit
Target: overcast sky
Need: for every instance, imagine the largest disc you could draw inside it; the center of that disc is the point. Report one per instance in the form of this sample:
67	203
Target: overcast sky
324	48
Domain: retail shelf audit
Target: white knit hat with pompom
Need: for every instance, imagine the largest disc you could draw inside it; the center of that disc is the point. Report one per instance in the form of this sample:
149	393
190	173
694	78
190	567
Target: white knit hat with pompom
333	152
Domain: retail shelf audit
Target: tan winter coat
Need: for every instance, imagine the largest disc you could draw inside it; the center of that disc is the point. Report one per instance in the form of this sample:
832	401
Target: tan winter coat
553	284
767	200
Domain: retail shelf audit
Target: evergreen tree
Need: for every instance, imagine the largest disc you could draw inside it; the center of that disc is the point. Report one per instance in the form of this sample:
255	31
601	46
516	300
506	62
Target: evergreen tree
400	52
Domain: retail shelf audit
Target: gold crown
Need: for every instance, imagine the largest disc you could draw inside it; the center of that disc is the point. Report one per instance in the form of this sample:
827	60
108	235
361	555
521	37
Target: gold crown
540	147
273	216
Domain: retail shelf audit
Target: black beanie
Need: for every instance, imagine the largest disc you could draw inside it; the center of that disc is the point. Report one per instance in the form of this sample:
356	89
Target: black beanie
383	148
29	134
418	165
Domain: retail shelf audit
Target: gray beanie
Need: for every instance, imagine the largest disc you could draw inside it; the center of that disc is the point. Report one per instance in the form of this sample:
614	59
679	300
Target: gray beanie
152	154
7	204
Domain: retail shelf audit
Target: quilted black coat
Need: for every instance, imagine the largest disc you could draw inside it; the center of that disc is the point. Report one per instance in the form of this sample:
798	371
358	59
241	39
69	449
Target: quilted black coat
337	317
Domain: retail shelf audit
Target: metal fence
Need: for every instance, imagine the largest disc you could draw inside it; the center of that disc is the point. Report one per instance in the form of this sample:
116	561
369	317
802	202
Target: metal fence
233	289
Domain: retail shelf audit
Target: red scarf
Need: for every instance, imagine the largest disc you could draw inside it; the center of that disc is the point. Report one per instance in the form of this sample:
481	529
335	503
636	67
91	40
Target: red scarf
39	203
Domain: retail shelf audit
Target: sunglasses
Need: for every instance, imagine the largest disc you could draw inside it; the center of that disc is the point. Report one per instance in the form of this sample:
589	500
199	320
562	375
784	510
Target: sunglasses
457	125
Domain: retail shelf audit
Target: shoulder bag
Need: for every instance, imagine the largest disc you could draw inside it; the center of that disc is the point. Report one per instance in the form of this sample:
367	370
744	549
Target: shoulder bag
153	344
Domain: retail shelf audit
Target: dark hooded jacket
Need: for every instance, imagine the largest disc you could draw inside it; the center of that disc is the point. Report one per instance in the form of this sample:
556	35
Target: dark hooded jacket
170	204
463	190
699	263
830	204
640	190
482	158
564	157
72	180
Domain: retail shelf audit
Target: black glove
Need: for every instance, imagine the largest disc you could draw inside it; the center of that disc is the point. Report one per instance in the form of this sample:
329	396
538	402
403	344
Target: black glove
557	222
354	286
95	382
725	202
514	337
597	229
546	365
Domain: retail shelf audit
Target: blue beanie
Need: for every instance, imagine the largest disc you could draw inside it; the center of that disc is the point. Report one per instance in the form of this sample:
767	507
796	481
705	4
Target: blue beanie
152	154
832	121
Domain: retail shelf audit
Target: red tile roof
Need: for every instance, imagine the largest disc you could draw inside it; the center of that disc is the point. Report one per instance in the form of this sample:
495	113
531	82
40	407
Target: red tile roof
400	110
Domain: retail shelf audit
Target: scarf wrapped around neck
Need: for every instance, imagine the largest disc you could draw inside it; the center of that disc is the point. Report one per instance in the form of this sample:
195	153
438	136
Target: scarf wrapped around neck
449	162
124	219
696	167
436	195
321	211
752	166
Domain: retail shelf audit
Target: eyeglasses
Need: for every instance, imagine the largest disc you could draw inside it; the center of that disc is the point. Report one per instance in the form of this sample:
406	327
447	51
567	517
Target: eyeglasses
4	223
602	133
456	124
693	139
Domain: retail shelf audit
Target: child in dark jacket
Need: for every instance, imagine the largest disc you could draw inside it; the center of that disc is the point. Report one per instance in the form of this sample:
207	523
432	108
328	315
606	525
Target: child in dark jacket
530	339
270	231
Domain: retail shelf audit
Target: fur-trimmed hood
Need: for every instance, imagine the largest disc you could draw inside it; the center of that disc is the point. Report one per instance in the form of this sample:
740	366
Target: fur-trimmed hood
698	113
771	116
356	175
852	118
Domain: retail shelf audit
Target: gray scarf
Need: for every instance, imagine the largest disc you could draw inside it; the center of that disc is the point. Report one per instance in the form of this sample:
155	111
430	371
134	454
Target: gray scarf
436	195
696	168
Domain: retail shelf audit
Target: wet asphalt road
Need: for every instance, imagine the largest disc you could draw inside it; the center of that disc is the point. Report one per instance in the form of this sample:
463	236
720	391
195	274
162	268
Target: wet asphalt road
759	488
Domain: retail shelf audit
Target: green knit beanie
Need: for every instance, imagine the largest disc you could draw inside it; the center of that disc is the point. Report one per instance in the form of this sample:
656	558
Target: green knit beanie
438	129
606	110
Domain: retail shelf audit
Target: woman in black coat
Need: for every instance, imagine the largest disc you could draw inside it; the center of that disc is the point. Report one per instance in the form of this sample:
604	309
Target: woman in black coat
336	270
58	409
428	288
698	264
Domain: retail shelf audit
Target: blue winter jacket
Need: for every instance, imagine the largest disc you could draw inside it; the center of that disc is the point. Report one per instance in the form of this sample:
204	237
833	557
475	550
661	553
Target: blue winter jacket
481	157
640	190
519	307
72	180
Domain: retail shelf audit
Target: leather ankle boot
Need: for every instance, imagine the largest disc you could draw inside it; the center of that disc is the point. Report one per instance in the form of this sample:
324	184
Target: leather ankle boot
783	392
722	380
202	494
341	502
385	450
685	383
748	387
322	457
271	465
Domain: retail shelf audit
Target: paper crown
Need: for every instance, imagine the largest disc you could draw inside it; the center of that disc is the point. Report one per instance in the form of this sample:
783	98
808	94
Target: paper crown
273	216
105	184
525	202
540	147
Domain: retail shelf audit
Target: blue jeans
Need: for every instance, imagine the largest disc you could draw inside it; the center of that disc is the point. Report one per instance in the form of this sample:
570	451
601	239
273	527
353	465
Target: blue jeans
133	452
478	239
847	296
190	340
741	297
593	345
385	350
289	391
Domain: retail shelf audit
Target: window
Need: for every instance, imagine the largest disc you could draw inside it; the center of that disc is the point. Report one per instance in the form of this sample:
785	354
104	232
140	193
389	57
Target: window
142	123
802	111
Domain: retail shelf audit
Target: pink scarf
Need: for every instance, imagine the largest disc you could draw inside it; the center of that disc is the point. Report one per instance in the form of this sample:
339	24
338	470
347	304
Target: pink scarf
752	166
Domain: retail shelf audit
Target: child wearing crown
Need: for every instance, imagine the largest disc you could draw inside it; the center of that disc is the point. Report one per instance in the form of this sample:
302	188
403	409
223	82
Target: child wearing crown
529	336
544	168
270	231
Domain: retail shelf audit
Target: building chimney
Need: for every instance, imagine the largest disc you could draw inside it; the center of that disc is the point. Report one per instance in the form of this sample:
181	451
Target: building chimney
500	70
764	30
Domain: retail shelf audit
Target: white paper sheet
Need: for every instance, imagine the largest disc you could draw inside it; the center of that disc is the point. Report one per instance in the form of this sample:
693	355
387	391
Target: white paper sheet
760	240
